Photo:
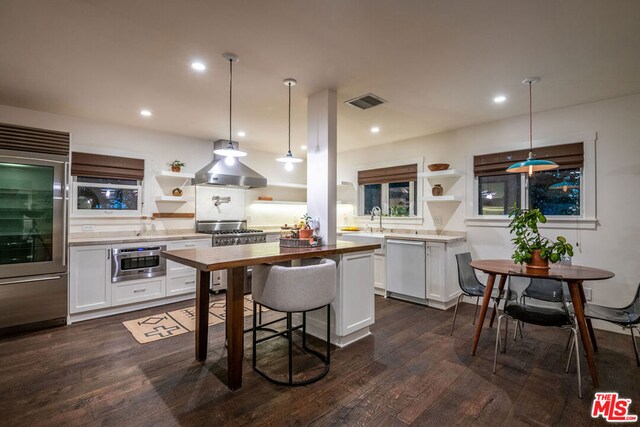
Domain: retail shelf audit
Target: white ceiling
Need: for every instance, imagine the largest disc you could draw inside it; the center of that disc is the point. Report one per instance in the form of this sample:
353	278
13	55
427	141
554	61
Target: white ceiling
438	63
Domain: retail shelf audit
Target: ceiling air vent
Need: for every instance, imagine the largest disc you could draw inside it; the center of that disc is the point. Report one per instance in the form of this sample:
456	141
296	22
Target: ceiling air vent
366	101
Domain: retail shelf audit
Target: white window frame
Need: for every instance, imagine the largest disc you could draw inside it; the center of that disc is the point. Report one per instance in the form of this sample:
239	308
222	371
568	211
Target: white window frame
588	208
418	217
384	199
98	213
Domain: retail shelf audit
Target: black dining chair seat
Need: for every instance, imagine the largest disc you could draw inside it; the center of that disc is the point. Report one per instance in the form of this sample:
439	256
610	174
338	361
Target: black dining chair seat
628	317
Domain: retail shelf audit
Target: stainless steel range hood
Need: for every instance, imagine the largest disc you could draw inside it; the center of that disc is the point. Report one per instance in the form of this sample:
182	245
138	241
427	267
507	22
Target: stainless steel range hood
218	172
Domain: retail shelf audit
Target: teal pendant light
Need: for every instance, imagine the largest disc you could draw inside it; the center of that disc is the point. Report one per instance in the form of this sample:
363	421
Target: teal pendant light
564	186
532	164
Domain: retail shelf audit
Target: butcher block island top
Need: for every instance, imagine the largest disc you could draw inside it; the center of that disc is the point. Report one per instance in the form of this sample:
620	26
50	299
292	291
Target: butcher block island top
221	257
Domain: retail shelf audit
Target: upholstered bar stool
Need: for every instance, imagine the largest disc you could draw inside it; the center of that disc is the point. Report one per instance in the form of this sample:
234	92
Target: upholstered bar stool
294	290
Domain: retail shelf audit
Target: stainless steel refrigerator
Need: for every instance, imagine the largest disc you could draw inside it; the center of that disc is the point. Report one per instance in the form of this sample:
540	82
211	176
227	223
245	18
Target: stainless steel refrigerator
33	227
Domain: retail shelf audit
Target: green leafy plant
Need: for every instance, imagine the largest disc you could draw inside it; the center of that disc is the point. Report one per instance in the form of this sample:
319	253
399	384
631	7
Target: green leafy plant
524	225
399	210
306	218
177	164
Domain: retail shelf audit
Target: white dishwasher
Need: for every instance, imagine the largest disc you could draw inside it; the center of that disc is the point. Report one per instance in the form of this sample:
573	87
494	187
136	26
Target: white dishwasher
406	268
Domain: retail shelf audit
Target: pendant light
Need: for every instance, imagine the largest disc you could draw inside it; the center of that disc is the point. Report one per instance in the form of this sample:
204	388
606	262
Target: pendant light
230	151
564	186
532	164
288	158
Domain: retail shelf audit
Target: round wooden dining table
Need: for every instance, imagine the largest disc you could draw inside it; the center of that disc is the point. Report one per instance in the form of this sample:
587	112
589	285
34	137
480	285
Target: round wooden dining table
573	275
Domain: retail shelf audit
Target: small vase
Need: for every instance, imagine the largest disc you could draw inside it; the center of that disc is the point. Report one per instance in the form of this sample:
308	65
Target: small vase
537	263
175	168
437	190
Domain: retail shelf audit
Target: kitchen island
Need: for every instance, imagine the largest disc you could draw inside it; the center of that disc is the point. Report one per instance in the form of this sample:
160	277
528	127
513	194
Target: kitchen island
353	308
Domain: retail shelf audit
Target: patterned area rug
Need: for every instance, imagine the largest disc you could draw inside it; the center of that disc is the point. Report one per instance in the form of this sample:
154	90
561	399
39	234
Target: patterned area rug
164	325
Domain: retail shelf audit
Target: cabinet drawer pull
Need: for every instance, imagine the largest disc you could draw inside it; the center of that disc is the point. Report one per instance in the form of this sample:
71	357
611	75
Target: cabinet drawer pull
191	282
189	245
139	290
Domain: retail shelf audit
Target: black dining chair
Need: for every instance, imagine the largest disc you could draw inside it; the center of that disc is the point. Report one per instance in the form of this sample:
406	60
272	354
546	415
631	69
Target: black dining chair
470	286
540	288
628	317
544	304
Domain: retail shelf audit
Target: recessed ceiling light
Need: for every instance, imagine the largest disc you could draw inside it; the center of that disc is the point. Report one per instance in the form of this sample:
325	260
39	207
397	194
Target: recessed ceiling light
499	99
375	129
145	113
242	133
198	66
303	147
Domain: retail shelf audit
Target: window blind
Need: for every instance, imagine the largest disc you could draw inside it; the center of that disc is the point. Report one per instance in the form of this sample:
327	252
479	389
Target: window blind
101	166
386	175
566	156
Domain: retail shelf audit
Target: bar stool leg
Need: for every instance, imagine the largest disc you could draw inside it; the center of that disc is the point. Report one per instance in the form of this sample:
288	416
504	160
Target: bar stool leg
253	361
304	330
290	336
329	333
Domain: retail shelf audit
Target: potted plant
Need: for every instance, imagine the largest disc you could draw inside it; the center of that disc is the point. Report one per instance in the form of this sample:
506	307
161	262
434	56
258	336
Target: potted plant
306	231
176	165
531	248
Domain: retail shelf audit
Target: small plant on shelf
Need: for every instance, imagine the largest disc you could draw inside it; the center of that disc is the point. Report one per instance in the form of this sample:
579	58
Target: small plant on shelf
176	165
531	248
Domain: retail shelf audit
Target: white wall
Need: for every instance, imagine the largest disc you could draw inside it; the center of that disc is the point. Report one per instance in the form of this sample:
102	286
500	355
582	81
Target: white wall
613	245
157	149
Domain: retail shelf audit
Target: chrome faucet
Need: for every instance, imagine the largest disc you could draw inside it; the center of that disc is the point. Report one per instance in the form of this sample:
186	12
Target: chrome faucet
376	210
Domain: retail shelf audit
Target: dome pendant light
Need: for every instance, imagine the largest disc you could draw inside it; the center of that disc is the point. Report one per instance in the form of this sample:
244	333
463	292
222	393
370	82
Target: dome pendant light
230	150
289	159
531	165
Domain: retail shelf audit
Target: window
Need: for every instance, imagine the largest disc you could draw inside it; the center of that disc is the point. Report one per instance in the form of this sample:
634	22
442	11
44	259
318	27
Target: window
392	189
498	193
556	192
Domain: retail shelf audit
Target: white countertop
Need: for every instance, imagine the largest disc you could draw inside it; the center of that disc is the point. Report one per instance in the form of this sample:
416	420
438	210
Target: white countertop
411	235
407	234
83	239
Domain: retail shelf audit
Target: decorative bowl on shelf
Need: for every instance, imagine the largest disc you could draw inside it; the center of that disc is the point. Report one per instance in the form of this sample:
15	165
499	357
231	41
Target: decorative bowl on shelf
435	167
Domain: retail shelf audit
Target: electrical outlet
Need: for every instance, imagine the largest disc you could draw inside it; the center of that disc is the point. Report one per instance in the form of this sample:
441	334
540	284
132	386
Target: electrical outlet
587	294
437	221
87	227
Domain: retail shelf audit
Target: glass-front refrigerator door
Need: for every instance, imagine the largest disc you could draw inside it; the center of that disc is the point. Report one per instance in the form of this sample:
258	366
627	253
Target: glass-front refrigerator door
32	216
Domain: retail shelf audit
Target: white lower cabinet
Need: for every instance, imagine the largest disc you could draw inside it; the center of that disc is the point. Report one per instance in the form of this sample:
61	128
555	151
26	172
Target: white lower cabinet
89	278
181	279
422	271
91	293
436	271
138	290
380	274
353	309
355	305
181	285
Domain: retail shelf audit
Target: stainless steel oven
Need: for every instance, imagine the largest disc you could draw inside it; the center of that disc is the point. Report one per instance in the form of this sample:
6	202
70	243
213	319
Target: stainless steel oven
134	263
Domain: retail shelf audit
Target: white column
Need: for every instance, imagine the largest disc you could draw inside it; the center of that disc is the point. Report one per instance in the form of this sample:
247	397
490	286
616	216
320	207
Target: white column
321	162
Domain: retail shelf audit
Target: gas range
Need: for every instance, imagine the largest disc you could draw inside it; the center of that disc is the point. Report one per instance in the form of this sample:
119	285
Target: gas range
230	232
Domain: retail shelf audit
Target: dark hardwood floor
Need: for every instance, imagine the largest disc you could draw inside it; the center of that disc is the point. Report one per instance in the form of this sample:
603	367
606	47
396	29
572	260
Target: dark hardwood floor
410	371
